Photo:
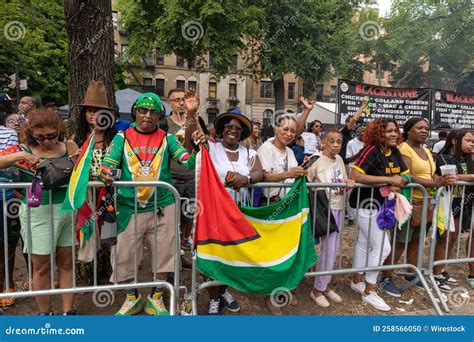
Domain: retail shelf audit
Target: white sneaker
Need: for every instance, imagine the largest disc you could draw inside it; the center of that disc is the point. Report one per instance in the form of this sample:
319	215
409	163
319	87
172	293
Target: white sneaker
359	287
332	295
376	301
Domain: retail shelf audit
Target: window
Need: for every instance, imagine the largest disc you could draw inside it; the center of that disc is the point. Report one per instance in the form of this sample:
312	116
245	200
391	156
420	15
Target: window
124	52
179	61
115	19
380	74
232	89
235	59
267	117
180	84
147	81
160	59
319	92
266	89
211	61
333	94
192	85
212	89
291	91
148	58
160	87
211	116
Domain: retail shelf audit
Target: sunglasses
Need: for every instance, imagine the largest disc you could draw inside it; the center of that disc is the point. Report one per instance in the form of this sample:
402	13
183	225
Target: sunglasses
46	137
233	127
317	126
143	110
16	122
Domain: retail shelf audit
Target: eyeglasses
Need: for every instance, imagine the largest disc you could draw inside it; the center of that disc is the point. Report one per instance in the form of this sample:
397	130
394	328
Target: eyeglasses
317	126
233	127
46	137
143	110
177	100
16	122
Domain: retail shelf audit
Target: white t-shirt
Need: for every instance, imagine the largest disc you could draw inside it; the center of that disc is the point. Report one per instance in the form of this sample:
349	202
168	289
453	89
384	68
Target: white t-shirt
275	161
353	147
243	165
327	170
439	146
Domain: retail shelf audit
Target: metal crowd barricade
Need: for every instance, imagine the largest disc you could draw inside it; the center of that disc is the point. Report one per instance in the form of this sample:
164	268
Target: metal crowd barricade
339	269
464	217
13	205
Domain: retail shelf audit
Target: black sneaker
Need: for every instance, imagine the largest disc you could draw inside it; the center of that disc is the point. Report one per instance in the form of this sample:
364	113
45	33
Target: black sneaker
214	307
186	265
350	223
442	284
448	279
70	313
418	284
229	302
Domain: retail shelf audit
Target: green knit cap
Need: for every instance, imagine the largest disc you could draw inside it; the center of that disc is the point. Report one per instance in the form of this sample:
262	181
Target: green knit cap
149	100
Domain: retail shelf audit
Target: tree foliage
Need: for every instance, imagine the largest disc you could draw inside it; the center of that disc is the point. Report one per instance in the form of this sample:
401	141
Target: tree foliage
40	50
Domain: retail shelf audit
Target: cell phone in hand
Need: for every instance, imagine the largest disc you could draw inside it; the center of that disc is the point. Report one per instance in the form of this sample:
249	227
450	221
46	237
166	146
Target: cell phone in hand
116	173
307	164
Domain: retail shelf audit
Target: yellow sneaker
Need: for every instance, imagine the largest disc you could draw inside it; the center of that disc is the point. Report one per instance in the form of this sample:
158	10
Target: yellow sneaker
154	305
131	306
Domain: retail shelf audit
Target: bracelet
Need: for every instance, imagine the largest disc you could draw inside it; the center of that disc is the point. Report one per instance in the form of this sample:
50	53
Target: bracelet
249	178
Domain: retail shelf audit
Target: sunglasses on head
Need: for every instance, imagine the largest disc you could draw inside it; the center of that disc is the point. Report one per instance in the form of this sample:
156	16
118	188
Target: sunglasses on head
46	137
143	110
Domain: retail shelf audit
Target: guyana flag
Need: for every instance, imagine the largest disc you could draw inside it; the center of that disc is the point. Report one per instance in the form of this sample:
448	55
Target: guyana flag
77	190
255	250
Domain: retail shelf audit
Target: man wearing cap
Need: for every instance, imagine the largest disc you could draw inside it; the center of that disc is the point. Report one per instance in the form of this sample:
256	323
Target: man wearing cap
143	153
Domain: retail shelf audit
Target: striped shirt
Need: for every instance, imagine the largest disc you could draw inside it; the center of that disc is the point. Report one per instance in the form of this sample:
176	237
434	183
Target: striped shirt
8	137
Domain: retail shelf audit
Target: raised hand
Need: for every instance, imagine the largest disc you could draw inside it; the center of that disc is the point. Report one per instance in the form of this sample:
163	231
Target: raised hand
308	105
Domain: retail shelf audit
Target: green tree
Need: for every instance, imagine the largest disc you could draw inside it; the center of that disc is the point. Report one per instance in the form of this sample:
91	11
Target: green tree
308	38
33	35
430	43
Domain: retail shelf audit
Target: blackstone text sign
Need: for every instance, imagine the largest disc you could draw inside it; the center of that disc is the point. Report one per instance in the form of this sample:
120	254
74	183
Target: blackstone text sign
384	102
453	110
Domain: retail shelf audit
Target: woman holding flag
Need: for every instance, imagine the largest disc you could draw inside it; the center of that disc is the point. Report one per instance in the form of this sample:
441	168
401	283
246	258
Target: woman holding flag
95	133
237	166
44	139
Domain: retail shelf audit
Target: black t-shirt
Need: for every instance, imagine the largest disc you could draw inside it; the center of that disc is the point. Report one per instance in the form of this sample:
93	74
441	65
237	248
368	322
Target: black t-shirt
372	161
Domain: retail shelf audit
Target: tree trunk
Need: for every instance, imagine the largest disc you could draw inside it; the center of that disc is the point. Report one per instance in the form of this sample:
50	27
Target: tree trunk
91	50
279	89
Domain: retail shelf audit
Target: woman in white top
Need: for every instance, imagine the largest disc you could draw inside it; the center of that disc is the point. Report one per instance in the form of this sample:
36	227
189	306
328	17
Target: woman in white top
237	166
278	160
279	165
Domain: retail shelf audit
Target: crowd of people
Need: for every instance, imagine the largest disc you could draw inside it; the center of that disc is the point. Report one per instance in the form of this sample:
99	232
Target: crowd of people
163	147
